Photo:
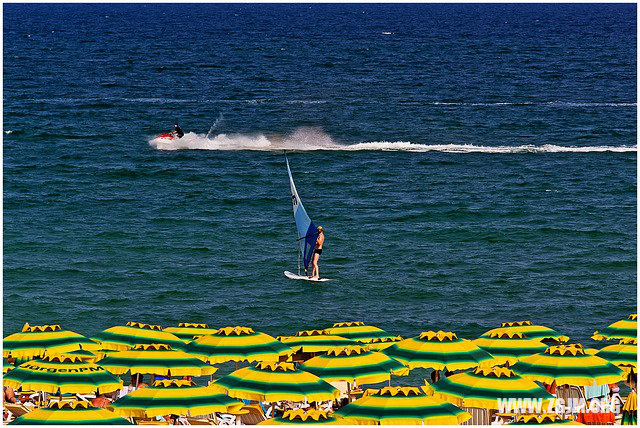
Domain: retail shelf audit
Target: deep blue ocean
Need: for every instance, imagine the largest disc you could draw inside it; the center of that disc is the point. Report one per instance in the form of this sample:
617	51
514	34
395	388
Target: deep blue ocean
470	164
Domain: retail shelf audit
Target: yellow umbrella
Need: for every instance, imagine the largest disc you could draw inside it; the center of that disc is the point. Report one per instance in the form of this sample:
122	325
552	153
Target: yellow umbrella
531	331
401	406
359	331
275	382
315	341
187	331
62	374
568	365
438	350
36	340
508	346
237	344
623	329
123	337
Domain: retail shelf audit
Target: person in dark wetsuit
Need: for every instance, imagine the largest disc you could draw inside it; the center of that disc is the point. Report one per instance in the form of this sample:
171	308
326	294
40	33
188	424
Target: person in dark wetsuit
177	131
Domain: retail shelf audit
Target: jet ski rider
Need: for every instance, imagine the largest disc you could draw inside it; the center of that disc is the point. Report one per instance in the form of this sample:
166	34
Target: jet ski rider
177	131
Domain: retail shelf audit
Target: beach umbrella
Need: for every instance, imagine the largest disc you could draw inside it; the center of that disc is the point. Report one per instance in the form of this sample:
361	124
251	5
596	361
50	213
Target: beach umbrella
623	355
83	355
358	331
315	341
623	329
507	346
237	344
156	359
36	340
568	365
438	350
270	381
382	343
483	387
188	331
123	337
401	406
62	374
630	410
543	419
175	397
354	364
531	331
303	417
70	413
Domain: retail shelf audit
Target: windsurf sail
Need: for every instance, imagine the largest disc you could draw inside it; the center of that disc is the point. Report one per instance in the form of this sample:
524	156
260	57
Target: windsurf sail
307	231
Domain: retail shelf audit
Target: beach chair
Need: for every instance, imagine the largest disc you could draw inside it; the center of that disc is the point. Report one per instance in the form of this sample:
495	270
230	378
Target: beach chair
253	416
571	394
198	421
478	416
17	409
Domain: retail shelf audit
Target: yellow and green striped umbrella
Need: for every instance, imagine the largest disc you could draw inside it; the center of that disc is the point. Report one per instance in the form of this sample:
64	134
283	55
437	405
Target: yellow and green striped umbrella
156	359
83	355
354	364
623	355
275	382
237	344
63	374
6	368
303	417
508	346
483	387
175	397
315	341
531	331
401	406
382	343
543	419
123	337
438	350
568	365
70	413
187	331
630	410
36	340
357	330
623	329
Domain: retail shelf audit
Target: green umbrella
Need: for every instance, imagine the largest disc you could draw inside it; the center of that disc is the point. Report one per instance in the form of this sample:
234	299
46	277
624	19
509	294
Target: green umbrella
483	387
275	382
438	350
315	341
357	330
123	337
188	331
354	364
508	346
156	359
401	406
237	344
70	413
531	331
623	355
37	340
62	374
173	397
623	329
303	417
568	365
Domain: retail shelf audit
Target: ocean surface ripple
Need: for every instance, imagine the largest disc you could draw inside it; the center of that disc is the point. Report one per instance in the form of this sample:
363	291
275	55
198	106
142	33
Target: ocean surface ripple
471	164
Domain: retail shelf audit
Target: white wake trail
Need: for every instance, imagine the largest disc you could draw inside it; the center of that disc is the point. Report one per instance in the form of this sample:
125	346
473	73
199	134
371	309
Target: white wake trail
312	139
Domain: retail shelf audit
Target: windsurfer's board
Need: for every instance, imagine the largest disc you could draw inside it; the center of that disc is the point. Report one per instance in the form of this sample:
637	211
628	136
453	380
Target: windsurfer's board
292	275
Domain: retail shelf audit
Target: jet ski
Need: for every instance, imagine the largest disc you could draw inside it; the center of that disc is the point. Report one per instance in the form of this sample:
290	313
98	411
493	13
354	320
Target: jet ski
166	136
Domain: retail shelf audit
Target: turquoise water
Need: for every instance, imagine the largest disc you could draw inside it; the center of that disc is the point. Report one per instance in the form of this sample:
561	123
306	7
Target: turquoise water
475	165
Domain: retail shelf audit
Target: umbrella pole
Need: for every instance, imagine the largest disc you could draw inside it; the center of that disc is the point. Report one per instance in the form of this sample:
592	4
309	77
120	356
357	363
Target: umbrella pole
237	365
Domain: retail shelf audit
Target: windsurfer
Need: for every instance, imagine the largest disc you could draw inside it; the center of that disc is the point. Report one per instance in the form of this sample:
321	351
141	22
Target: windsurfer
317	251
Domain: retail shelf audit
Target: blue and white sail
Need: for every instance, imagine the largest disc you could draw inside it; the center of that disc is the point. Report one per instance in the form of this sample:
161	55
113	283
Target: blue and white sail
307	231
